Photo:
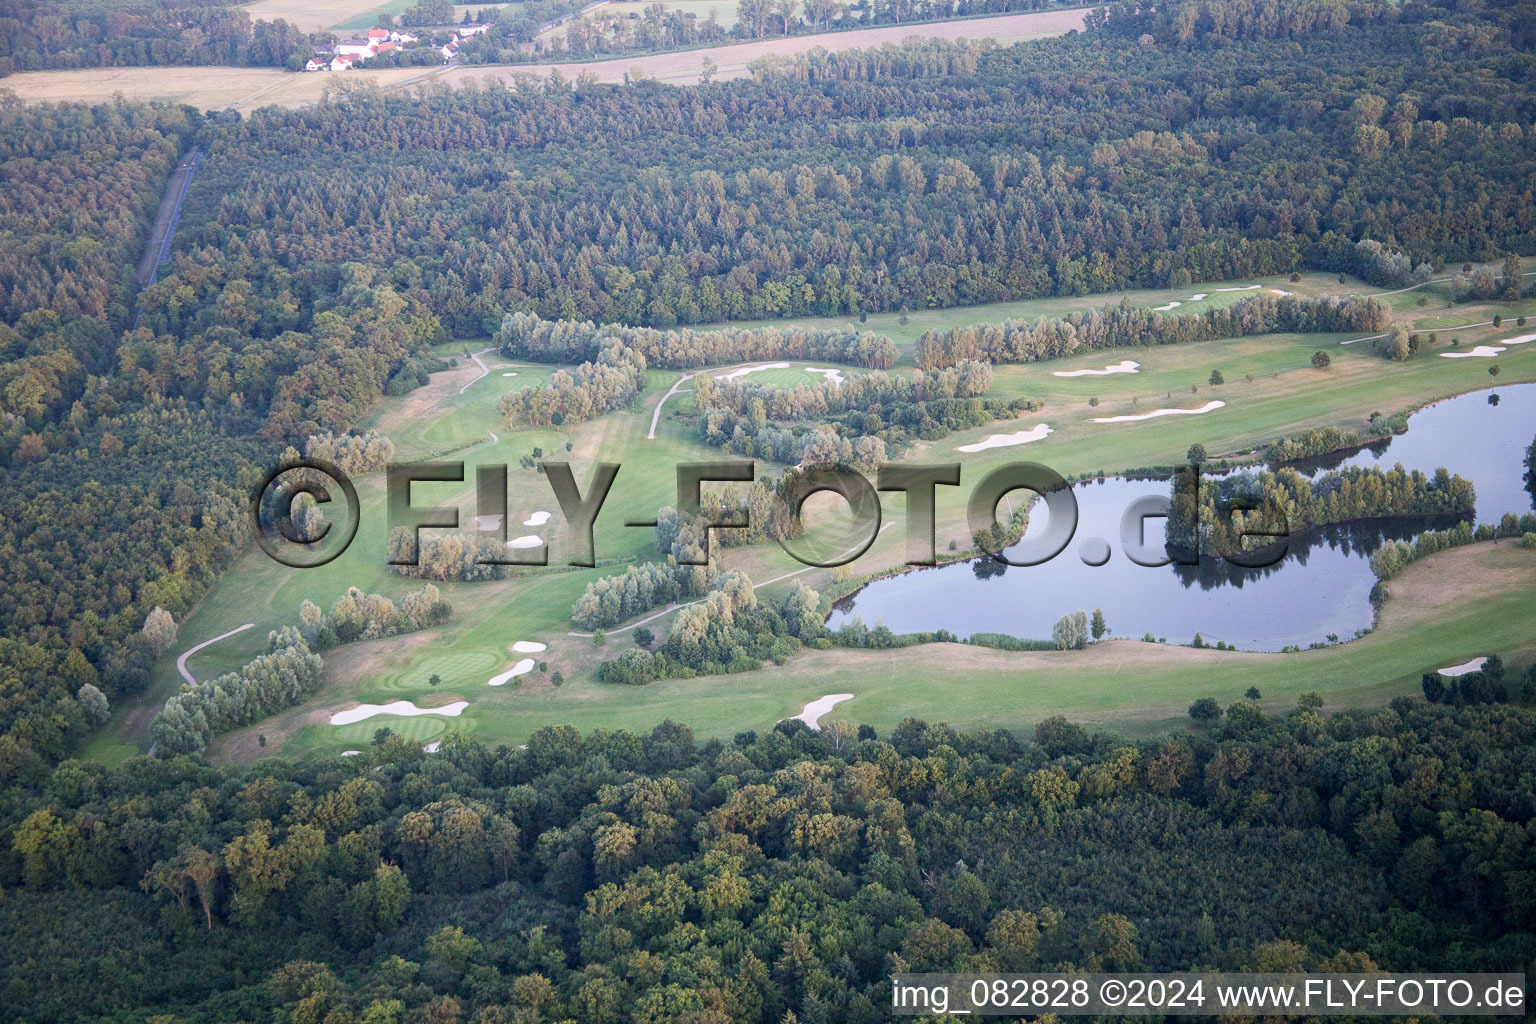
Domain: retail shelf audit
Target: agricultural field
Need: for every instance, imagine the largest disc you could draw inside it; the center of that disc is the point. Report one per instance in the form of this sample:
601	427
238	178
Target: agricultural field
324	15
734	60
206	88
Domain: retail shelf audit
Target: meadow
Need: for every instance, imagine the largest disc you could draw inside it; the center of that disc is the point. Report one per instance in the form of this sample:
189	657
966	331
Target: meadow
1271	389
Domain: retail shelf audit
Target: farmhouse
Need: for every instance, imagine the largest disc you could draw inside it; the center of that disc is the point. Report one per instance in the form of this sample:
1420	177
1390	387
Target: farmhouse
355	48
343	62
465	31
318	63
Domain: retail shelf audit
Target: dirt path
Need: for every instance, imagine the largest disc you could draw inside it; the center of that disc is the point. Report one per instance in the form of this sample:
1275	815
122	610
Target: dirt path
181	662
733	61
656	415
484	370
158	248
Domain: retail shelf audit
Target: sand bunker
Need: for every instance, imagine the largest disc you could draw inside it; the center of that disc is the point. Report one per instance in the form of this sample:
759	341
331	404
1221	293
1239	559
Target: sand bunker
403	708
1482	352
1244	288
530	541
1036	433
433	747
1281	291
1198	296
1127	366
750	369
834	374
350	753
1164	309
1475	665
1207	407
816	708
537	519
529	647
512	374
1519	340
521	668
488	524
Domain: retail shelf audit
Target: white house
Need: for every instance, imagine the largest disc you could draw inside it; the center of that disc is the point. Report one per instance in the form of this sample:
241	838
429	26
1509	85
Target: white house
450	51
397	36
465	31
377	35
343	62
354	48
318	63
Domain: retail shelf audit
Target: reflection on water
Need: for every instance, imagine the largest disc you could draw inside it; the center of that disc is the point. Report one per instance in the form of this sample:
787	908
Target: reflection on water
1320	588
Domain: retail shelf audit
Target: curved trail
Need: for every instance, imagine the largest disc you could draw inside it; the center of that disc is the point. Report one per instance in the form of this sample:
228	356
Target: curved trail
656	415
1433	330
484	370
181	662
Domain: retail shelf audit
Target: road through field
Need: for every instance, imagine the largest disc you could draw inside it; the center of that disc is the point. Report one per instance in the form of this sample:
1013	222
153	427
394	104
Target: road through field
683	68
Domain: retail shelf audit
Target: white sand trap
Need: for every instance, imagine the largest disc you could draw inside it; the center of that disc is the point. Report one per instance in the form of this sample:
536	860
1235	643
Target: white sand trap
1127	366
350	753
834	374
1519	340
816	708
488	524
433	747
1244	288
512	374
1475	665
521	668
537	519
1481	352
1036	433
1207	407
1281	291
750	369
403	708
530	541
1164	309
1199	295
529	647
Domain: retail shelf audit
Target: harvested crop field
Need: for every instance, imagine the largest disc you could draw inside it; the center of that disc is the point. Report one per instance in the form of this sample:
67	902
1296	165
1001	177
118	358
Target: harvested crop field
207	88
733	61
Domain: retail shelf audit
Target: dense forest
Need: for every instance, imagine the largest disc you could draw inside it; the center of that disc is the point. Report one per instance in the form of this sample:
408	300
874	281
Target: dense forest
616	877
46	35
931	176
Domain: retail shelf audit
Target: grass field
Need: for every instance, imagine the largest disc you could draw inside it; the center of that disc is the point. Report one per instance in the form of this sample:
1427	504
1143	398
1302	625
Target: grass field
1133	685
321	15
726	12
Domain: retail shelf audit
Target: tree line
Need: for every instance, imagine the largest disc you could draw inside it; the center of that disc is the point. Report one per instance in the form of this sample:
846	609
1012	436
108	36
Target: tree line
46	35
1121	325
849	423
1214	517
527	336
282	677
777	872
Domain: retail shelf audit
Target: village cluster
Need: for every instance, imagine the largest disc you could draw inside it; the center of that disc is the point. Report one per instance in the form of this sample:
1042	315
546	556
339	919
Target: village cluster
351	53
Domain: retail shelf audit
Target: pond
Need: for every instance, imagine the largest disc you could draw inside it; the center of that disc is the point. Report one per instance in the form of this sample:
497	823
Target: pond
1321	588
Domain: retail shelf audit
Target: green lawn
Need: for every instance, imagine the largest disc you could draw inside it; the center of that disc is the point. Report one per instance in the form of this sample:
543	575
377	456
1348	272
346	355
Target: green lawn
454	418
